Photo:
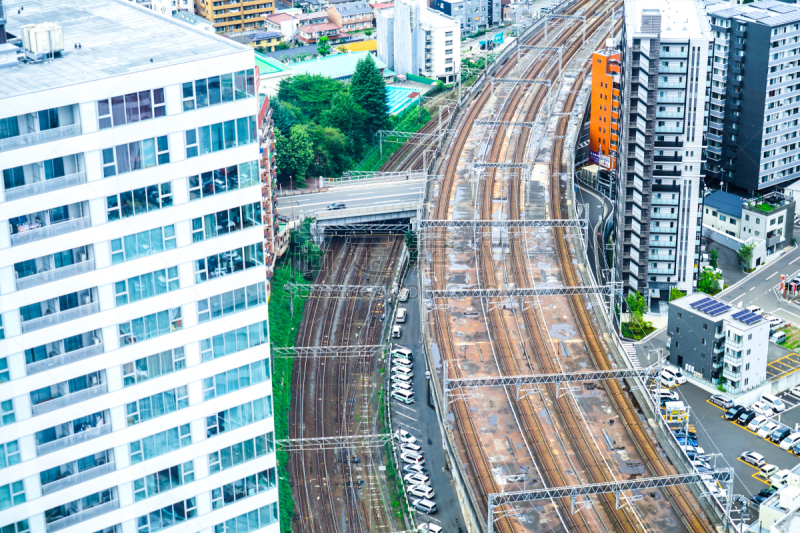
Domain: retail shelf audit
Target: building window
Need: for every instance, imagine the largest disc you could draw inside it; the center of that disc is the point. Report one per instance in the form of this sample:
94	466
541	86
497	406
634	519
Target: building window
146	286
7	413
703	356
219	89
11	495
154	366
150	326
703	342
81	505
243	488
227	221
678	329
157	405
234	341
747	366
241	452
231	302
131	108
142	244
676	344
239	416
220	136
162	481
9	454
255	519
133	156
167	516
750	337
233	380
160	443
226	263
138	201
705	326
680	314
19	527
4	375
223	180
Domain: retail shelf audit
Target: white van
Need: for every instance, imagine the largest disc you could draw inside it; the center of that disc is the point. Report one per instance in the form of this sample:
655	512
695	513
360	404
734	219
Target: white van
779	479
396	332
778	337
402	353
404	396
402	370
775	403
401	385
400	317
403	296
414	459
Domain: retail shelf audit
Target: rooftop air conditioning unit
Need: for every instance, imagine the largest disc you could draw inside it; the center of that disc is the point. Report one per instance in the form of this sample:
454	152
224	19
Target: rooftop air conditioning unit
40	39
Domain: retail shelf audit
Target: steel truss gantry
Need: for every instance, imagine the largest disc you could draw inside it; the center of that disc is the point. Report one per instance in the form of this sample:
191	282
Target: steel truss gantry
617	487
363	350
404	136
558	379
558	49
364	227
562	223
330	443
333	291
566	18
546	83
504	123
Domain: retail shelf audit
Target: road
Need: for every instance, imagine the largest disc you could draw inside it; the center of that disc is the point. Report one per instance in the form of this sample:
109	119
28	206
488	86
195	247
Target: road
292	205
421	420
599	209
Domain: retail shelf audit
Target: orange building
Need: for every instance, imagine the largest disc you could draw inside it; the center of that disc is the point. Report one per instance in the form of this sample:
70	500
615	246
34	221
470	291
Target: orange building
604	116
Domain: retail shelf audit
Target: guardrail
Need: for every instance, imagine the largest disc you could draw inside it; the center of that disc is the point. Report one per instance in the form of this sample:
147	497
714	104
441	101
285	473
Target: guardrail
328	214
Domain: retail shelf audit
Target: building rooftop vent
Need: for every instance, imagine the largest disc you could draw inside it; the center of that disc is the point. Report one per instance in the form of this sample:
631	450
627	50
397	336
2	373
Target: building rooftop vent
43	40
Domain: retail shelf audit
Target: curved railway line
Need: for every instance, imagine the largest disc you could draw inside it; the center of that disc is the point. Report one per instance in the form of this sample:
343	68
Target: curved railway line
625	519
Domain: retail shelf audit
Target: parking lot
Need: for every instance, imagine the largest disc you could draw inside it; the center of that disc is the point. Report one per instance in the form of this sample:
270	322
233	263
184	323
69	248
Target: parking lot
420	420
788	364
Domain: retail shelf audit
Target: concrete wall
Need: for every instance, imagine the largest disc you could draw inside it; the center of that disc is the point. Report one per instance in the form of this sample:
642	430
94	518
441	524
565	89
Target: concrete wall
759	253
385	37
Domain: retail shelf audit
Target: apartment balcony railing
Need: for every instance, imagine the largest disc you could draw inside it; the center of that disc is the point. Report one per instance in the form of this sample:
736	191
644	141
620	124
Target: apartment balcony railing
671	84
69	399
71	440
676	70
720	335
664	215
80	477
670	99
39	137
719	349
664	201
661	271
669	129
64	359
730	374
52	230
662	229
77	518
54	275
41	187
674	54
663	244
61	317
661	258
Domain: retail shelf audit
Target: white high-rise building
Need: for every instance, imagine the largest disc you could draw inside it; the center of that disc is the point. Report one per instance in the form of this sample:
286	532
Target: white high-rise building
135	391
663	92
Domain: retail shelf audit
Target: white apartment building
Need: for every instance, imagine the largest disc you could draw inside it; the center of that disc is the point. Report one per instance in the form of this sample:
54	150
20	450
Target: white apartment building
167	7
415	39
663	95
135	391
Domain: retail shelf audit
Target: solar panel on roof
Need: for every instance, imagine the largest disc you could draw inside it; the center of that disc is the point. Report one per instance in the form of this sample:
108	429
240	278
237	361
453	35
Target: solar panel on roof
711	309
705	307
740	314
756	16
753	319
702	302
718	310
781	9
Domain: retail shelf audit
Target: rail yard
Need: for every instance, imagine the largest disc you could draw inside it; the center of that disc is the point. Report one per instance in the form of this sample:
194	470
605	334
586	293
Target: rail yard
505	438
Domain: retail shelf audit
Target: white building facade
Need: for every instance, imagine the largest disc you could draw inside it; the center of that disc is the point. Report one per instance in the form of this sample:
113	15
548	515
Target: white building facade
663	91
134	351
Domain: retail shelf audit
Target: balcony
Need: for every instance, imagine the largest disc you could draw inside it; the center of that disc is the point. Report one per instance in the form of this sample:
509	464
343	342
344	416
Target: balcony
719	349
80	477
662	229
82	516
73	439
39	137
734	344
661	258
772	241
64	359
61	317
669	129
54	275
730	374
676	70
664	172
52	230
668	158
662	243
671	84
41	187
69	399
672	216
670	271
674	54
720	335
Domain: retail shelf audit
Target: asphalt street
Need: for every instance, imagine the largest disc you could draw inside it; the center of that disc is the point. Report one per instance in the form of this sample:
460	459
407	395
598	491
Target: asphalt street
369	195
421	420
599	209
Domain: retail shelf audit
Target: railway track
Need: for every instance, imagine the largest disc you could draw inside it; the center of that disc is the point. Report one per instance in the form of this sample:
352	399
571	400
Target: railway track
625	519
329	487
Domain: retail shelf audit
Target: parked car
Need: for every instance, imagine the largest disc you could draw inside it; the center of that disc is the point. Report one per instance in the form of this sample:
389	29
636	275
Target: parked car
726	402
675	373
397	331
758	499
415	469
401	385
716	491
795	391
761	408
401	315
412	459
734	412
667	381
417	479
779	479
796	449
756	310
404	436
411	447
665	395
789	442
404	396
422	491
700	466
767	471
774	321
775	403
429	528
336	205
767	429
745	417
756	423
683	441
693	452
401	377
403	296
779	434
424	506
753	458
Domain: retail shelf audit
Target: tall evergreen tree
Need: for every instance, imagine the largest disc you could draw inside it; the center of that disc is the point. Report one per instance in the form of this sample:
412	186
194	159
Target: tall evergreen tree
294	154
368	88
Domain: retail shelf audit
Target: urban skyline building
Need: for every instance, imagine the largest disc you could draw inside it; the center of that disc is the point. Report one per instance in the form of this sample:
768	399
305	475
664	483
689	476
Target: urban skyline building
137	232
659	186
605	107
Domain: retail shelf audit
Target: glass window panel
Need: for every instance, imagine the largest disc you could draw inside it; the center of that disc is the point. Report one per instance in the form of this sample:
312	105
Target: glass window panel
153	198
145	106
227	87
132	107
214	94
204	132
216	137
243	131
118	110
220	183
149	153
156	240
241	85
135	150
208	183
123	159
230	134
201	93
126	203
140	200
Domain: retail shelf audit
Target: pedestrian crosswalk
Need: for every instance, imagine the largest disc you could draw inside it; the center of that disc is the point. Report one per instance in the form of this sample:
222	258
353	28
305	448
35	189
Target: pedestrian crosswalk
630	351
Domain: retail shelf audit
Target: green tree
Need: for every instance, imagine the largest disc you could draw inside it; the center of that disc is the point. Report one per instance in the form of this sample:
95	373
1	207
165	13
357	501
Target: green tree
311	94
368	88
368	33
674	294
709	281
330	151
282	46
637	307
285	116
713	258
745	254
294	154
323	48
348	117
